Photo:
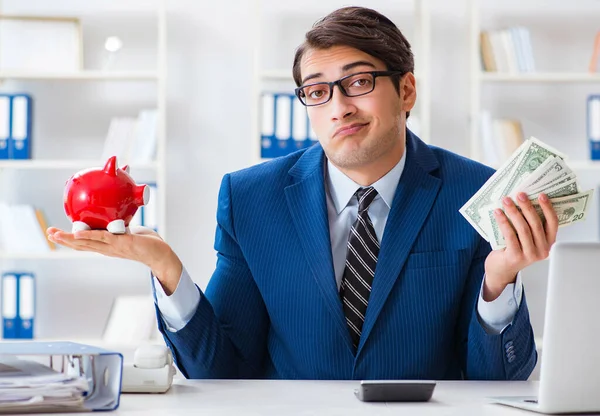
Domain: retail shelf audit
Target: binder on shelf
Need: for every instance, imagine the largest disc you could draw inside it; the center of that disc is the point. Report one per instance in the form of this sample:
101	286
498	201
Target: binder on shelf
26	305
593	125
98	369
4	125
285	127
267	124
19	144
18	305
283	122
10	322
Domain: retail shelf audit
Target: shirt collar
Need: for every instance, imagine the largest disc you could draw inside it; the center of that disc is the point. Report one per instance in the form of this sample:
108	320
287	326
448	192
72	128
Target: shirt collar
342	188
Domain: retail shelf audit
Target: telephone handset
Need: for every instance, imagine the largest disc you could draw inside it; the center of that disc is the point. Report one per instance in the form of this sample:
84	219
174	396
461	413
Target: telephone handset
152	370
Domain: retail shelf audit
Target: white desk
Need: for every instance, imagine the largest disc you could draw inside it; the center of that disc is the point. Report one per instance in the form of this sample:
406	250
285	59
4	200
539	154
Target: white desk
327	398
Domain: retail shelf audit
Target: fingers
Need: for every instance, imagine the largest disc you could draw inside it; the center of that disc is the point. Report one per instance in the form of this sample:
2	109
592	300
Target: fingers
510	236
536	227
520	225
551	219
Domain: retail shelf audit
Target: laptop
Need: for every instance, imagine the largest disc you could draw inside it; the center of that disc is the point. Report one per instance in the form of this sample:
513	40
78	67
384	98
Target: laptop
570	362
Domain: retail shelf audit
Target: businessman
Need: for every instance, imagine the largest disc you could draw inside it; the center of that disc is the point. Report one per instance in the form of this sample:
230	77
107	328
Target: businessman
349	260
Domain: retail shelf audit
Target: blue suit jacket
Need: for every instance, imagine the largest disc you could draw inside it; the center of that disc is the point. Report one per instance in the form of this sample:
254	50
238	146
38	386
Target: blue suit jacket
272	309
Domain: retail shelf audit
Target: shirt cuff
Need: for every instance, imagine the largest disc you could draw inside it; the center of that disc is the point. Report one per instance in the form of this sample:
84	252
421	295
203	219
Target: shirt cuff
496	315
177	309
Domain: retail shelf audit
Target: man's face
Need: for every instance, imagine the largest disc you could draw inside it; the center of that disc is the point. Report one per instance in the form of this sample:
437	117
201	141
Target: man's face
357	131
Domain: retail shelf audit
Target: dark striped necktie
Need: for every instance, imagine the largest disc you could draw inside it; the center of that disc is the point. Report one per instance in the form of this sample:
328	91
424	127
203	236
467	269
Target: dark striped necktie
363	249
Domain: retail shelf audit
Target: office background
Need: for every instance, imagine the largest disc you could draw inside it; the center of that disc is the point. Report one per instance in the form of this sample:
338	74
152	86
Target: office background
211	85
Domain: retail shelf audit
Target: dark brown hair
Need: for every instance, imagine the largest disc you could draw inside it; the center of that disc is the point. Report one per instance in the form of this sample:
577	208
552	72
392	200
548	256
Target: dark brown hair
363	29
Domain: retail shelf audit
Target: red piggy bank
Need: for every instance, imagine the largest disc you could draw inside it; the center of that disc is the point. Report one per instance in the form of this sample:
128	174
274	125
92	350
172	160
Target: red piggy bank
103	198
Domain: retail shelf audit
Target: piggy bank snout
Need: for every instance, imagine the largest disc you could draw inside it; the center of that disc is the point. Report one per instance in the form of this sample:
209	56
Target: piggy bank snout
142	195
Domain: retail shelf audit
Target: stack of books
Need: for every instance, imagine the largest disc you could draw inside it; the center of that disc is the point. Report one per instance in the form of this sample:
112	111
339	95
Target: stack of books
499	138
507	50
23	229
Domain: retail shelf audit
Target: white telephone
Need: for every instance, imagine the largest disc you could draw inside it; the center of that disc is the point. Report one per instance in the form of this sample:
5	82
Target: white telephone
152	370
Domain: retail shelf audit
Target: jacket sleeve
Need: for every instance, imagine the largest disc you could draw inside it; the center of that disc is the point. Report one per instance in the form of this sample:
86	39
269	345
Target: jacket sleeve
510	355
226	337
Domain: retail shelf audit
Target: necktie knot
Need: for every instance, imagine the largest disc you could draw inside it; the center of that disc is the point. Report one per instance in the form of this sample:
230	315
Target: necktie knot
365	197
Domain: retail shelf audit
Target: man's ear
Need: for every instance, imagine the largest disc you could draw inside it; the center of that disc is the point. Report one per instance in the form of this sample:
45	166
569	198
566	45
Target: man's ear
408	91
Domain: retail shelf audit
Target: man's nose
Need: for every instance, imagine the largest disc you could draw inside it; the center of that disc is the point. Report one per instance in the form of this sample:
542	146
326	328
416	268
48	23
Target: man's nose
341	106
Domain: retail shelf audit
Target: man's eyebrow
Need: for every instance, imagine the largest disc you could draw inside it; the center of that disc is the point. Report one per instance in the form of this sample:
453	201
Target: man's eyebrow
353	65
345	68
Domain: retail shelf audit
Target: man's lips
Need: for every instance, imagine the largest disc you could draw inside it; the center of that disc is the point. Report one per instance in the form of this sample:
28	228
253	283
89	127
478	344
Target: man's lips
349	129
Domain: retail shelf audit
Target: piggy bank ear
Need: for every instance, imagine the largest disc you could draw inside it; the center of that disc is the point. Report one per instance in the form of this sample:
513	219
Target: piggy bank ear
111	166
125	168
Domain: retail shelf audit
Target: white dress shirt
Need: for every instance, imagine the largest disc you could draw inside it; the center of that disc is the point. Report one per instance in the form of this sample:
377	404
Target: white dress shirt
342	210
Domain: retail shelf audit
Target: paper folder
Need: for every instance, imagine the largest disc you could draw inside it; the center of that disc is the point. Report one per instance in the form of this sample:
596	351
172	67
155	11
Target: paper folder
103	370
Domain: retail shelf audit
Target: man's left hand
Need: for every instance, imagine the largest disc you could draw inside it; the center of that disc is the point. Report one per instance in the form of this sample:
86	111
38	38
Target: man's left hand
528	240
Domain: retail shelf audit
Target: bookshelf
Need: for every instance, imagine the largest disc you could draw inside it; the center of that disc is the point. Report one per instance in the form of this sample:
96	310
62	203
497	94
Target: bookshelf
71	117
278	76
550	100
480	79
154	77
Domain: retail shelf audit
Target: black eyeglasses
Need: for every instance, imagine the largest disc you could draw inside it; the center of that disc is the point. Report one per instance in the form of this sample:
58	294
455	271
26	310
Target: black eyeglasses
352	85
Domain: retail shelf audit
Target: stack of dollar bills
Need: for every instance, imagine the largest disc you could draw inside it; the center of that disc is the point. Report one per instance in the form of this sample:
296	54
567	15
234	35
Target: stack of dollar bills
533	168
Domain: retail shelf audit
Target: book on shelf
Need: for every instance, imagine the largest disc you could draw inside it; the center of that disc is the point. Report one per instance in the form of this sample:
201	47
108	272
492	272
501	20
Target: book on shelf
593	125
23	229
132	139
595	60
507	50
499	138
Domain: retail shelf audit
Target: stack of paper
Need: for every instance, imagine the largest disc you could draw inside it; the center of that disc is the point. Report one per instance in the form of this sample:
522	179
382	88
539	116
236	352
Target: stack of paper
23	229
534	168
27	386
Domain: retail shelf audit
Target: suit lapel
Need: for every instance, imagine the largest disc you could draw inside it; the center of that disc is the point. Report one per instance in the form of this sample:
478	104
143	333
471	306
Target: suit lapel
308	208
415	195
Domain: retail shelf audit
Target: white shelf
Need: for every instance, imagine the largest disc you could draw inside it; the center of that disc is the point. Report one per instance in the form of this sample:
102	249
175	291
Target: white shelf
540	77
52	164
62	254
82	75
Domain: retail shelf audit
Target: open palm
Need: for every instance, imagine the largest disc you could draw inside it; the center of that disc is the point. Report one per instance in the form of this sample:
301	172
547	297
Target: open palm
138	243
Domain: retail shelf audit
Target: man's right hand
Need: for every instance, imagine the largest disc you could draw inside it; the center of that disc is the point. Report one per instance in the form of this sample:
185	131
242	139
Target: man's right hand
138	244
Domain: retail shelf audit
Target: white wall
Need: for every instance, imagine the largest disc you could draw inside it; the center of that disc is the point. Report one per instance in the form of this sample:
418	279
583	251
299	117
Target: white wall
210	79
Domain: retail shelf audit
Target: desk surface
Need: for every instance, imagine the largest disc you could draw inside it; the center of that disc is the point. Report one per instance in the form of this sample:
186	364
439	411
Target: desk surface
330	398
